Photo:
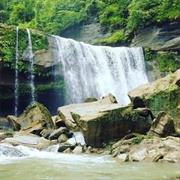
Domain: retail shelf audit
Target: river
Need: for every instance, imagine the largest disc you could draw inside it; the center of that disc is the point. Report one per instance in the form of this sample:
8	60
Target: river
49	165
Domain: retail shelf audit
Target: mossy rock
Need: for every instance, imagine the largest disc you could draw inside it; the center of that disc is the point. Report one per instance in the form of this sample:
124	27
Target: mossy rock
161	95
36	112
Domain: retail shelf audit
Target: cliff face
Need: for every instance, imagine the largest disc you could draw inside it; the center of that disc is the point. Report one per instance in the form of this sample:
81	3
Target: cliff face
161	48
159	38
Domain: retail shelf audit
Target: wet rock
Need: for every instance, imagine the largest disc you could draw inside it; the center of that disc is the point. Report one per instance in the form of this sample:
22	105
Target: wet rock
68	150
122	157
78	150
56	133
77	138
46	133
27	139
65	146
13	122
62	138
4	135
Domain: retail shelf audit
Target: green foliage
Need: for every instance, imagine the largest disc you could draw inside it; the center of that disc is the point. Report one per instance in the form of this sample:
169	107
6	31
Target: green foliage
7	44
145	12
39	41
52	85
168	62
55	16
116	37
137	139
148	54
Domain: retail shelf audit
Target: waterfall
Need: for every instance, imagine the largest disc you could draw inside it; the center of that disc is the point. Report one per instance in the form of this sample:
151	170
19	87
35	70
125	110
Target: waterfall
16	84
95	71
31	68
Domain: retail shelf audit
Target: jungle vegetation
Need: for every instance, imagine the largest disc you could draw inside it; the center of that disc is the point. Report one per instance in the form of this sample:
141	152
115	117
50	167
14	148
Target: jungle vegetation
120	17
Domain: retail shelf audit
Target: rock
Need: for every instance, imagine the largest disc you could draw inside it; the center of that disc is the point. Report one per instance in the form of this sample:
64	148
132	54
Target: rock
160	95
68	150
64	114
159	38
64	146
35	127
13	122
108	99
4	135
162	126
62	138
153	150
122	157
91	99
78	150
27	139
35	112
139	155
77	138
46	133
60	123
101	123
43	58
56	133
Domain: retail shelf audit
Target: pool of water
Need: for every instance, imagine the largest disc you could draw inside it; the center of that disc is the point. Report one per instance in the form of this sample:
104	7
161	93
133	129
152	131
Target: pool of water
37	165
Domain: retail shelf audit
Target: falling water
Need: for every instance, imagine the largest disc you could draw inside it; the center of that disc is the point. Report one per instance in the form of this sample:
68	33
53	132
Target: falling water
16	84
95	71
31	69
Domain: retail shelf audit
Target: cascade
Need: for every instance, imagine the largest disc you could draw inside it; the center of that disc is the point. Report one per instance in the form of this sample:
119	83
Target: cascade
16	84
31	68
95	71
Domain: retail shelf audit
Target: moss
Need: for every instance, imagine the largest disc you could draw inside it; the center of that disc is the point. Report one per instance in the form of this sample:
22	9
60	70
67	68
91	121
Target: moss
168	62
116	38
137	139
90	99
43	109
165	101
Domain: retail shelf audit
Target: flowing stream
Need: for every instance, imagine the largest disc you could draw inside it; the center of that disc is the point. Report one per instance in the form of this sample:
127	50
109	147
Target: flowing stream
95	71
16	84
50	165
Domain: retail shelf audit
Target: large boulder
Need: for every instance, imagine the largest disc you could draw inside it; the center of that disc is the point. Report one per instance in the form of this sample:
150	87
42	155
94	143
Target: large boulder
35	117
160	95
101	123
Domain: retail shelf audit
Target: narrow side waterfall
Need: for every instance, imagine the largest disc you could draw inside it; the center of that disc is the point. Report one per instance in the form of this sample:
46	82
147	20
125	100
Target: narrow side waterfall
31	68
16	84
95	71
